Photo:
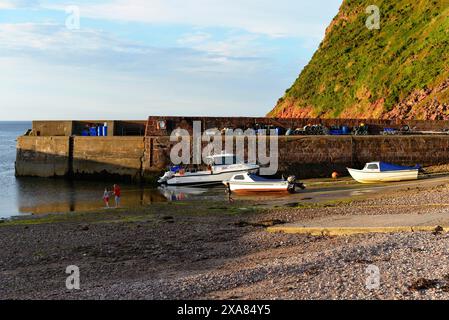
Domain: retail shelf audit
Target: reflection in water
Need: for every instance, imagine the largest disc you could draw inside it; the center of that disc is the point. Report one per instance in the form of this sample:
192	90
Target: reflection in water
182	193
38	196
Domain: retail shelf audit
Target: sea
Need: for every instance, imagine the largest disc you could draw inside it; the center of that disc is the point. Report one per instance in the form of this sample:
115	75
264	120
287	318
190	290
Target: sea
9	193
30	195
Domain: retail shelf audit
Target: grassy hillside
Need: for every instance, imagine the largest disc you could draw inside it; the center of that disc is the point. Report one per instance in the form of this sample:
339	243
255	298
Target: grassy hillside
400	70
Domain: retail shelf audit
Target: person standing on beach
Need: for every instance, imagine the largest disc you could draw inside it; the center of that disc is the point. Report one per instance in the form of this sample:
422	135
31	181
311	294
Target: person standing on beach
117	193
106	197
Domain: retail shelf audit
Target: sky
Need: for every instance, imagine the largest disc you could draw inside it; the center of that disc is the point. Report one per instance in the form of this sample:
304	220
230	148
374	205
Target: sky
131	59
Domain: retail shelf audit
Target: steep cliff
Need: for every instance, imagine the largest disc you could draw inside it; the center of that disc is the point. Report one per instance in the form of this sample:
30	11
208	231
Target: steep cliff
396	66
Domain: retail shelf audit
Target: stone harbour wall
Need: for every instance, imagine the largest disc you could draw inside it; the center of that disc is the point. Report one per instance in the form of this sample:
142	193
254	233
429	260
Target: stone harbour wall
144	158
42	156
118	156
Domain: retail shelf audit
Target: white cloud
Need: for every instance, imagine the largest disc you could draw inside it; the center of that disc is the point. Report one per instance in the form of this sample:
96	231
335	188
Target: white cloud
194	38
232	45
53	37
274	18
92	48
7	5
14	4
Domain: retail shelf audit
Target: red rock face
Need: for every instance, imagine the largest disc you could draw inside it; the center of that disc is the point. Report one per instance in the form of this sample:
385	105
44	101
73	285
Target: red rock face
295	112
425	104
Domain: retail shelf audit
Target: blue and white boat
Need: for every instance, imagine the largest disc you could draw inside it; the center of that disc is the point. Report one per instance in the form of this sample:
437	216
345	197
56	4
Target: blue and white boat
378	172
221	167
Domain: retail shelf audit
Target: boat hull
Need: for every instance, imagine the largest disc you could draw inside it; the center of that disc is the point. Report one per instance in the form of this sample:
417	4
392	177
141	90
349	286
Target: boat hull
386	176
259	187
204	179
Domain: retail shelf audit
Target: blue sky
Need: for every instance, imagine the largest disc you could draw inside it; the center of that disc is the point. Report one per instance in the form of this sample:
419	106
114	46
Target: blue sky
135	58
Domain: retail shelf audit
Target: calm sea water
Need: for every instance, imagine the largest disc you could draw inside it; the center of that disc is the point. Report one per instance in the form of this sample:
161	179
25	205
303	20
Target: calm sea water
9	193
19	196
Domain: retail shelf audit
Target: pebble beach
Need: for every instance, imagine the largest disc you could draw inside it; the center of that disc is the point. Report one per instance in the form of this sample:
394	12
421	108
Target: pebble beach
217	250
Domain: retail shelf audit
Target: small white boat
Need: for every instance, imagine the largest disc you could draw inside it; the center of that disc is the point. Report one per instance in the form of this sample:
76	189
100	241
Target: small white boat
247	182
222	167
378	172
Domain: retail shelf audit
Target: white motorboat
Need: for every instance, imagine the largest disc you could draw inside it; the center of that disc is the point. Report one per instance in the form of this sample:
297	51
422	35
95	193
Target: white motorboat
221	168
378	172
247	182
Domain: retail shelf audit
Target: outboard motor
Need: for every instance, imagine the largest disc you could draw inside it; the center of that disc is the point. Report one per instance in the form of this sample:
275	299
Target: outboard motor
300	185
167	176
292	184
291	179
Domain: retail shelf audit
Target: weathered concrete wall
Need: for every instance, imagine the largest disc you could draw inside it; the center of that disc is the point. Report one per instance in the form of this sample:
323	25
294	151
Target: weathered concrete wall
145	158
308	157
116	156
42	156
52	128
407	150
319	156
80	156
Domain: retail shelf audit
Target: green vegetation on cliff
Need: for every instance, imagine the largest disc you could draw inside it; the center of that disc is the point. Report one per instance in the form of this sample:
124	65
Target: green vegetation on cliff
358	72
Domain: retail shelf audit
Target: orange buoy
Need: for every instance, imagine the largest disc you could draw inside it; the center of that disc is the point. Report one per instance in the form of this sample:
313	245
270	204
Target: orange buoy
335	175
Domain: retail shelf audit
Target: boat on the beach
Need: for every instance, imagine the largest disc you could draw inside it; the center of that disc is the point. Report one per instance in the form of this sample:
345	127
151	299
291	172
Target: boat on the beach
378	172
221	167
247	182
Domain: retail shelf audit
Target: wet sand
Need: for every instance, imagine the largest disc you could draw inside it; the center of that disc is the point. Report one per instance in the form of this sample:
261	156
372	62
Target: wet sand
213	249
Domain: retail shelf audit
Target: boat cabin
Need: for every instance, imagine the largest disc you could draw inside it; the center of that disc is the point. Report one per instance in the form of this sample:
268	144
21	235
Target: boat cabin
244	177
386	167
372	166
223	159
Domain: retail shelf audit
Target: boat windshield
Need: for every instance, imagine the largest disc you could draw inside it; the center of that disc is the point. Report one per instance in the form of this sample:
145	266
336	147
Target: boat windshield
372	166
226	160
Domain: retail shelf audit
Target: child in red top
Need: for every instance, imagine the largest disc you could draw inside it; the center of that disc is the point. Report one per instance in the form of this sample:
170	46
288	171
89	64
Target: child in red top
117	194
